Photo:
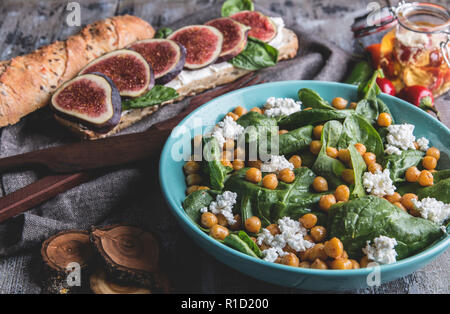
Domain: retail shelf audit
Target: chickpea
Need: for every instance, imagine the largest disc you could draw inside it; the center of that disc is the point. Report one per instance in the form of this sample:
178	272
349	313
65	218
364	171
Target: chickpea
239	153
399	205
344	155
339	103
320	184
253	224
318	251
332	152
208	220
255	164
193	179
433	152
348	176
308	220
253	175
318	233
238	164
273	229
304	264
233	115
407	200
369	158
290	260
315	147
256	109
341	263
221	220
334	248
364	261
226	163
355	264
318	264
342	193
396	197
425	178
219	232
237	224
414	212
240	111
281	132
228	146
191	189
384	119
326	201
296	161
344	254
286	175
353	105
227	155
308	238
304	255
412	174
317	131
191	167
361	148
270	181
374	167
429	162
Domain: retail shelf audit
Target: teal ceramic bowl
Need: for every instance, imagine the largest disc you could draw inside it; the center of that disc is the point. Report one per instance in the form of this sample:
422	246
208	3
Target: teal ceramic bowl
173	187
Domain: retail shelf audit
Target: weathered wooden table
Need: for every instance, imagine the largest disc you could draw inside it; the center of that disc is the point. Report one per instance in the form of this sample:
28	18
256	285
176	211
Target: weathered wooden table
26	25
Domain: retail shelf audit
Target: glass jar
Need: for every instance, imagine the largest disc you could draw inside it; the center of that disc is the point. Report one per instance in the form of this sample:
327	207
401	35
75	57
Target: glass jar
415	51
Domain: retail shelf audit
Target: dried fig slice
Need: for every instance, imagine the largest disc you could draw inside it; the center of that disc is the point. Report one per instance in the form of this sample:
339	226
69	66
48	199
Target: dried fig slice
203	44
165	56
234	37
129	71
262	27
90	99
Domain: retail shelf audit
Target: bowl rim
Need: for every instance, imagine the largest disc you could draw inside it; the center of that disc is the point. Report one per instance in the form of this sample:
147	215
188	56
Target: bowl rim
177	209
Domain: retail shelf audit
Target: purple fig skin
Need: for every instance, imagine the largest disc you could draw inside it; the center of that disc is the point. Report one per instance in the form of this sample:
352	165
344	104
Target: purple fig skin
173	73
107	126
236	51
236	16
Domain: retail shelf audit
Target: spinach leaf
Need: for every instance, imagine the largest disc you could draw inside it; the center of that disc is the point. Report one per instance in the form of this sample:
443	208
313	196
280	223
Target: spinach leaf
163	32
370	89
310	98
158	94
313	116
359	167
329	168
252	245
256	55
398	164
369	109
295	140
363	219
235	242
257	126
308	158
230	7
439	191
212	166
195	201
357	130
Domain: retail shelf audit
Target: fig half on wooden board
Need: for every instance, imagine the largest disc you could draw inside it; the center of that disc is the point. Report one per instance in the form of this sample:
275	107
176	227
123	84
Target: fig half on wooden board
90	99
203	44
262	27
166	57
129	71
234	37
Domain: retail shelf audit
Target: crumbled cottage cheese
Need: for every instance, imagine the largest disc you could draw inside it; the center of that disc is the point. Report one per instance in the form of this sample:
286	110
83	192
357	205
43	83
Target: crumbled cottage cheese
423	143
223	205
291	233
401	136
275	107
226	129
276	163
432	209
382	251
378	183
392	150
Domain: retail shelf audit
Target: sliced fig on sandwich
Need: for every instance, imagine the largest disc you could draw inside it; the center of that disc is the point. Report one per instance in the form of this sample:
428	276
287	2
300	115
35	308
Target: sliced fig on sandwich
165	56
203	44
129	71
90	99
234	37
262	27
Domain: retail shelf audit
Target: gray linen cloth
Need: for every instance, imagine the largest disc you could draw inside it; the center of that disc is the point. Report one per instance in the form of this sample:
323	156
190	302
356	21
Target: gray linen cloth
130	194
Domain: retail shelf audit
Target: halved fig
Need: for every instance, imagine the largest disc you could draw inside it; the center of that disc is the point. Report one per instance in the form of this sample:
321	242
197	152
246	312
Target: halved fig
262	27
203	44
165	56
90	99
129	71
234	37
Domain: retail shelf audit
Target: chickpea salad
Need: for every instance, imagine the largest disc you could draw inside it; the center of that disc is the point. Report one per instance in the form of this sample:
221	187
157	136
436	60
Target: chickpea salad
340	187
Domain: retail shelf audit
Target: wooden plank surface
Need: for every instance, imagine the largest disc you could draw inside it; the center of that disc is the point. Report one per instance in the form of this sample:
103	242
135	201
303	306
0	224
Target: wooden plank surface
36	23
